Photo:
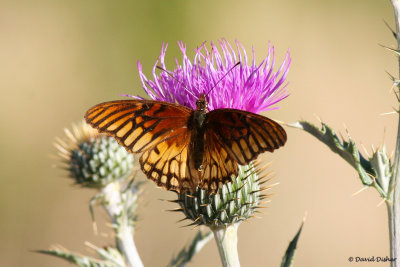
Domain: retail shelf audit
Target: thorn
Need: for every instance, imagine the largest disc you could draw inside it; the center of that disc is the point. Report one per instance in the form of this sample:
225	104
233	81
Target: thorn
388	113
181	220
281	122
395	84
175	210
262	202
347	130
390	28
305	216
90	245
383	138
365	150
171	201
381	202
359	191
104	235
318	118
372	177
190	224
373	148
196	226
272	185
390	49
341	136
94	226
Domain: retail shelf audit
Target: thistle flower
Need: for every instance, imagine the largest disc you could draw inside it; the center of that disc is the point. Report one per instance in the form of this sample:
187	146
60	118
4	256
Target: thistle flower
254	88
248	86
93	159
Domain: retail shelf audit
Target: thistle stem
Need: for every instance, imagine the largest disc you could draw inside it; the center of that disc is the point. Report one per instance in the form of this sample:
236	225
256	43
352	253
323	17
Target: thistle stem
114	205
393	203
226	238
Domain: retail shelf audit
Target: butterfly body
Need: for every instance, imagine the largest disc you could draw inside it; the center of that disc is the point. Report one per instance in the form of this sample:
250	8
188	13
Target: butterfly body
182	149
196	125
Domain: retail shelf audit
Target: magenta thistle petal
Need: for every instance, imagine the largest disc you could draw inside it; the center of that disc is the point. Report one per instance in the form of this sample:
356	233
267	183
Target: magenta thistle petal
253	87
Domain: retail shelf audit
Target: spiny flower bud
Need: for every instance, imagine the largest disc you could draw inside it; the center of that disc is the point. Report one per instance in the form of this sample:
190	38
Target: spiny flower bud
93	159
236	201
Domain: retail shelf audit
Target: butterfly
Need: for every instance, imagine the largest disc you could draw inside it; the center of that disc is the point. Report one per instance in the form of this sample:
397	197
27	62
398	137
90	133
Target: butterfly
182	149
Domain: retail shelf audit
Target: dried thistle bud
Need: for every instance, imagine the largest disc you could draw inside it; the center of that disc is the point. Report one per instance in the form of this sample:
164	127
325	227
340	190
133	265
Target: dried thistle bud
93	159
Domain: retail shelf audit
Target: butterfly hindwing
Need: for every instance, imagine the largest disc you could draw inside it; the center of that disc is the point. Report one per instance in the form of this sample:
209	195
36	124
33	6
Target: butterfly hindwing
218	164
166	163
243	134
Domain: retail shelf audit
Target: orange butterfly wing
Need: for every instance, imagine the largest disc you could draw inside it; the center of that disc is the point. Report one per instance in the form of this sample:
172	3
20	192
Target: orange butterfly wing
235	137
245	135
218	164
156	129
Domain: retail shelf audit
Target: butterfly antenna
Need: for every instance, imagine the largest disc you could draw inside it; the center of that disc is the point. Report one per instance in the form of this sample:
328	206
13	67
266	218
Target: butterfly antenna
223	77
172	76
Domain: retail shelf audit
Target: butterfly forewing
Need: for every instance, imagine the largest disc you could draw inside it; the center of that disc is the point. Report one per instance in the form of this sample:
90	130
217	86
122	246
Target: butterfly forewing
156	129
243	134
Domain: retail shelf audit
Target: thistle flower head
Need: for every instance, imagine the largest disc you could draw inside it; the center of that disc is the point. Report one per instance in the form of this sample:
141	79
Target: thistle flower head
248	86
235	202
93	159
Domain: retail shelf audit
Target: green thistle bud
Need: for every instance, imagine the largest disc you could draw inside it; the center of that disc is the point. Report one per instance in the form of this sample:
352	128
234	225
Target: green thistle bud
382	166
93	159
235	201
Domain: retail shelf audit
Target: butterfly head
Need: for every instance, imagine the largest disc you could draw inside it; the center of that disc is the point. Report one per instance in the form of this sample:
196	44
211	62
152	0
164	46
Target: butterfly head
201	103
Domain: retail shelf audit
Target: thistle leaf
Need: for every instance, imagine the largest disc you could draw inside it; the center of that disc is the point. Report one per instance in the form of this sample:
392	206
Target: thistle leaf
382	165
346	149
372	172
288	258
187	253
79	260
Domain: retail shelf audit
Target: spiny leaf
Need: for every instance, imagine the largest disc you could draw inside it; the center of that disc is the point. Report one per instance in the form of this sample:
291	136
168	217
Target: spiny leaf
79	260
372	172
187	253
288	258
346	149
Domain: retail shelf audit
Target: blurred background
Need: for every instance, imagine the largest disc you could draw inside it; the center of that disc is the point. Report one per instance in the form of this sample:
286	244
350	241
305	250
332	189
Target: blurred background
58	58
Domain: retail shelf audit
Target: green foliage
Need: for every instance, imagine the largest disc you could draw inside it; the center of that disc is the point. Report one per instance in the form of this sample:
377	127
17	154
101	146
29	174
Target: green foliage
110	257
375	171
186	254
288	258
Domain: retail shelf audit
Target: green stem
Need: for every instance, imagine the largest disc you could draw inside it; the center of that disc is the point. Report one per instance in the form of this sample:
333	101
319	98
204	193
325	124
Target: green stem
114	205
393	204
226	238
